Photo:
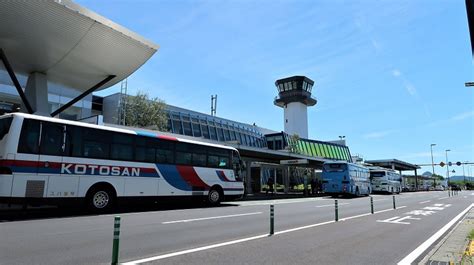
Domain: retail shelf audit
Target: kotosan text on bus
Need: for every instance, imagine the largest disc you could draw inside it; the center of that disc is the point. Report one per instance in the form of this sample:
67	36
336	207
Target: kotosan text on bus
49	160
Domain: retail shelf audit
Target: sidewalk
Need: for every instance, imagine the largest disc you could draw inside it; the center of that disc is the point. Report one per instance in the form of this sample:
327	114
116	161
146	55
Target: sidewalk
451	248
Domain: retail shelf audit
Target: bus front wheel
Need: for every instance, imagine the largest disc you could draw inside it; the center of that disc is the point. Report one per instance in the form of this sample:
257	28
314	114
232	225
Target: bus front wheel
100	198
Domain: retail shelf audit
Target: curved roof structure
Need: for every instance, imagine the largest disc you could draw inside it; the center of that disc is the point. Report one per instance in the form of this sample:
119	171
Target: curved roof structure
72	45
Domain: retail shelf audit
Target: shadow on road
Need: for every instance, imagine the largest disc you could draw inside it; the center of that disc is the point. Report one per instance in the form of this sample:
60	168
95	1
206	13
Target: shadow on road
16	213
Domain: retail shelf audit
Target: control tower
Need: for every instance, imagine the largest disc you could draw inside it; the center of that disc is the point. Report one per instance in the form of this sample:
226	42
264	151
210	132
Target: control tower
294	96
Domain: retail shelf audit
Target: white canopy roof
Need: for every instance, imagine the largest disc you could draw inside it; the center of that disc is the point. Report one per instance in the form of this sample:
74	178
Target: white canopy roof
72	45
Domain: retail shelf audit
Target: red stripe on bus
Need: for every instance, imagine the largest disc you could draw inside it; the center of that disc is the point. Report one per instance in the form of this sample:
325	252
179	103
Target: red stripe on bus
189	175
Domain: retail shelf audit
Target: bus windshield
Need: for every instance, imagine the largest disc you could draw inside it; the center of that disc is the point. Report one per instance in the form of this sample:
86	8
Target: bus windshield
335	167
377	174
5	126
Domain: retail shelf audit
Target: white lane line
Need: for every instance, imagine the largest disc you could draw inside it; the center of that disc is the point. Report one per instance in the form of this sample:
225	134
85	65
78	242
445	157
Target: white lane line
442	198
425	245
303	227
179	253
169	255
210	218
380	200
425	202
329	205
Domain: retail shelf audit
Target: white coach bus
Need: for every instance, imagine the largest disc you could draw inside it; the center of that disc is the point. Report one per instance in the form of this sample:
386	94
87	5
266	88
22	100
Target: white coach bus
385	180
49	160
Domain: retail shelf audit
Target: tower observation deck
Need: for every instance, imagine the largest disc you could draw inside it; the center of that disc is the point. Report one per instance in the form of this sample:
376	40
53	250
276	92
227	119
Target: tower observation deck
294	96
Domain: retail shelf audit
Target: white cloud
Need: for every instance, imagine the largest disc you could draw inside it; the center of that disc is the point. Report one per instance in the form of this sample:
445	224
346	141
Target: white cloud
410	88
379	134
396	72
463	116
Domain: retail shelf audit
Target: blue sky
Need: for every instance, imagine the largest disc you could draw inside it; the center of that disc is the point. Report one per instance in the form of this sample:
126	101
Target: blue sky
389	75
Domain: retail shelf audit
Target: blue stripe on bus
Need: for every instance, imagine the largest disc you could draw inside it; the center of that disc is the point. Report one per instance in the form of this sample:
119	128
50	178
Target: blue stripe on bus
171	175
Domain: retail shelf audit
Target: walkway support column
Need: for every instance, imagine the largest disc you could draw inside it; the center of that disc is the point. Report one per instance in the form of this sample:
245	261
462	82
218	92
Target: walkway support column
36	92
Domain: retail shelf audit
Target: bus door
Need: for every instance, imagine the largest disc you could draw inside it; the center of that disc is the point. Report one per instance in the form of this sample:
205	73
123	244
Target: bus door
51	152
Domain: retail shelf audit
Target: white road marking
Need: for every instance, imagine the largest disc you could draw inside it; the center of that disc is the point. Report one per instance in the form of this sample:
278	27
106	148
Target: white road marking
425	245
442	198
192	250
210	218
380	200
398	220
169	255
329	205
424	202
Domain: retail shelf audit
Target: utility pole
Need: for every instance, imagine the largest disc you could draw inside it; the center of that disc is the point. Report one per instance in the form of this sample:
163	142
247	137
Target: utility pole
432	165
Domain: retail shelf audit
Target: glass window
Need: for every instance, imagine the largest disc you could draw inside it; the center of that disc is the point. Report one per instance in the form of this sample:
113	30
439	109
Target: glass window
197	130
213	132
52	139
5	126
73	141
281	88
199	159
121	152
220	134
205	131
232	135
183	154
177	128
121	138
95	149
286	87
212	161
164	151
145	154
187	128
29	137
227	135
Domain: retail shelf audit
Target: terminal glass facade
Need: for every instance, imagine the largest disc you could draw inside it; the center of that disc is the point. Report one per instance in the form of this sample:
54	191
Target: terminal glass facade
214	128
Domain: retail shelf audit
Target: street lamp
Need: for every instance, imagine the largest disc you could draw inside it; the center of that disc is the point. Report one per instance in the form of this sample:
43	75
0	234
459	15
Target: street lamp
432	164
447	166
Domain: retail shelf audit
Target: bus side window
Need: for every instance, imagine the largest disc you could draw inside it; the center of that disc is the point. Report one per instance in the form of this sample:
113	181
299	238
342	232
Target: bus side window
29	137
52	136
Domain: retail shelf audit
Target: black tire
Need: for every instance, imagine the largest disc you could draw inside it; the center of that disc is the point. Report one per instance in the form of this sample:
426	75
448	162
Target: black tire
101	198
215	196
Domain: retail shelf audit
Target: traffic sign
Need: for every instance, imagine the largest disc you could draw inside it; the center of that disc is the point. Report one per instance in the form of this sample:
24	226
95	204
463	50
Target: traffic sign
442	164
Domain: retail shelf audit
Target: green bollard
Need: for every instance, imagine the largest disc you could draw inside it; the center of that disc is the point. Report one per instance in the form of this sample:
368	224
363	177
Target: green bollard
371	205
336	211
394	206
272	220
115	248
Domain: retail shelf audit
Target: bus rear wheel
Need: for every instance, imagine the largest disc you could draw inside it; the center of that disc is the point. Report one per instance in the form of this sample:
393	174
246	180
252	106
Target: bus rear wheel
100	198
214	197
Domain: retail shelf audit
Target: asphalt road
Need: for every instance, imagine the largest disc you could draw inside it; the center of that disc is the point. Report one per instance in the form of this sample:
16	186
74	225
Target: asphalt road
358	238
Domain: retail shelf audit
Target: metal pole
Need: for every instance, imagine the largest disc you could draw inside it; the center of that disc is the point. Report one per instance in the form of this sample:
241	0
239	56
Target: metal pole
272	221
432	165
336	211
115	248
371	205
394	206
447	166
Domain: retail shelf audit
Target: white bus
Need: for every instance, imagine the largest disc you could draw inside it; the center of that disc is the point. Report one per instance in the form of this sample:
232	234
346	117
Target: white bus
385	180
49	160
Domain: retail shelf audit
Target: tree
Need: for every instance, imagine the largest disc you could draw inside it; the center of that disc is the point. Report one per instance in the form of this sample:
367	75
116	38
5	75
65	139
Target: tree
144	112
